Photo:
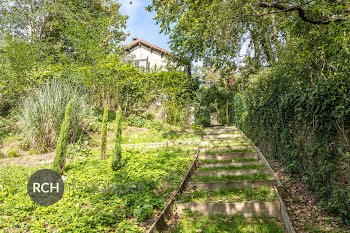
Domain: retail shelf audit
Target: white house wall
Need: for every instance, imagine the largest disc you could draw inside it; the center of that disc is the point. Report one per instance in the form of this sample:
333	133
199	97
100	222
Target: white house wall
154	57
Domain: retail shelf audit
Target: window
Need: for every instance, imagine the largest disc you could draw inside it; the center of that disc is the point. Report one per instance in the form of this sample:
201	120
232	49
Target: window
143	63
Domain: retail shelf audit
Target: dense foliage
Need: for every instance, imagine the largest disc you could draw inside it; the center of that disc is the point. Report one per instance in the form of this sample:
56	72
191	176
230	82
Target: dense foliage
44	39
299	111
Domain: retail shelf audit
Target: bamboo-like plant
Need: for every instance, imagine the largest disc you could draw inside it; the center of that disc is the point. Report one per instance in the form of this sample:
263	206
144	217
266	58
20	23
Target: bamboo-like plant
61	149
117	150
104	131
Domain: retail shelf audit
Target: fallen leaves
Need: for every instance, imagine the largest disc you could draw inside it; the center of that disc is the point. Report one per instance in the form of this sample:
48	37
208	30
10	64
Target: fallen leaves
302	206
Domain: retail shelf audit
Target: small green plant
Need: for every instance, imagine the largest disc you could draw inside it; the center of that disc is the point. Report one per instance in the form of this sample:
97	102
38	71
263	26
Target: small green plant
144	212
154	124
61	149
117	150
104	131
76	150
12	153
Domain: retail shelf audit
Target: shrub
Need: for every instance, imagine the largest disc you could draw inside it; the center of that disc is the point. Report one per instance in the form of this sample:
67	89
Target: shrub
117	150
239	110
104	131
136	121
43	111
304	123
61	149
150	115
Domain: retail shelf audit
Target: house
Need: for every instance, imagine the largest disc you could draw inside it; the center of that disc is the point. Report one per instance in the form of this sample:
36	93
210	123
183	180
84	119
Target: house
148	56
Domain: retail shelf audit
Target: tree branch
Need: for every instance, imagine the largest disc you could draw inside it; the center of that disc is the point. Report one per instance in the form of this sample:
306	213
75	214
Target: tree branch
302	14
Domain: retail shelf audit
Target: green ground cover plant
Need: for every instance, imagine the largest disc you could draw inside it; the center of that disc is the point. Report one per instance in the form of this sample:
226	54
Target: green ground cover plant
261	176
249	166
193	222
222	195
159	170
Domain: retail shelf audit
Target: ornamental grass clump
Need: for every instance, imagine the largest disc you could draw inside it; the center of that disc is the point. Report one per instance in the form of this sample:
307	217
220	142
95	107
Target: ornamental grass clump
61	149
117	150
43	111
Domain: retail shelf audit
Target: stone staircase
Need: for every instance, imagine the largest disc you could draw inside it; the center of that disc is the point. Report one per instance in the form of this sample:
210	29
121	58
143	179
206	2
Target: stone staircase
227	161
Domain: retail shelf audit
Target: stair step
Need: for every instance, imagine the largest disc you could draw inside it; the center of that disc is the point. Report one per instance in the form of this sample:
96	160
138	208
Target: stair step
206	165
247	209
230	172
216	132
219	136
224	145
220	129
229	184
227	156
225	148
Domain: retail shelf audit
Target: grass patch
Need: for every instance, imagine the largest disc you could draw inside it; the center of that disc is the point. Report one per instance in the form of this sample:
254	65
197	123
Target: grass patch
248	166
159	170
234	194
261	176
238	160
228	151
193	222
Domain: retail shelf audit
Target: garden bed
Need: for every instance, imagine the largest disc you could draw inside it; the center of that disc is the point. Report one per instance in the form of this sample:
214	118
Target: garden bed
160	171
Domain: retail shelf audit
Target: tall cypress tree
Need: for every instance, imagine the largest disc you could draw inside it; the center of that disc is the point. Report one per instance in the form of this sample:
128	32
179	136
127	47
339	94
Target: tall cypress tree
117	150
104	131
61	148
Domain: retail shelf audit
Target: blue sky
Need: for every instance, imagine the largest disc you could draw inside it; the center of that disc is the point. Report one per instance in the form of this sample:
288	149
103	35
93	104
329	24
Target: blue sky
141	24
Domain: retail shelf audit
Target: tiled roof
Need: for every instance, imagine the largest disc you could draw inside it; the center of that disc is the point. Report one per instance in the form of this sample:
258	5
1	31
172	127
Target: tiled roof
137	41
